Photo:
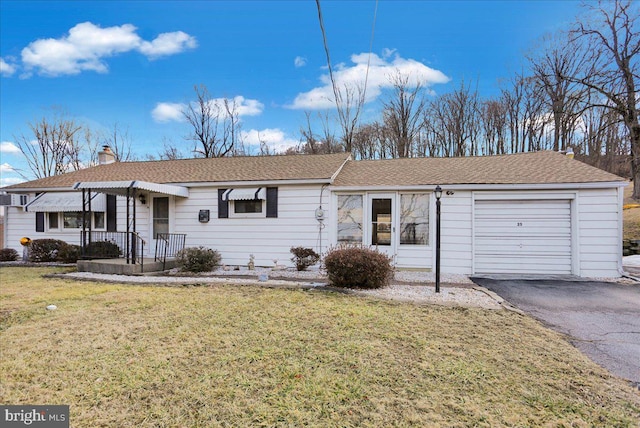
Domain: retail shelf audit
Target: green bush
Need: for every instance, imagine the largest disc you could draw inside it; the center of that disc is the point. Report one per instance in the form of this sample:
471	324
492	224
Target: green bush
8	255
198	259
69	253
357	267
304	257
45	250
102	250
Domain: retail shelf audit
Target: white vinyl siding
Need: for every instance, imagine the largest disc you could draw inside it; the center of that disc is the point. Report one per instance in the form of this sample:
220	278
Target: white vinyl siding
600	250
523	236
456	227
268	239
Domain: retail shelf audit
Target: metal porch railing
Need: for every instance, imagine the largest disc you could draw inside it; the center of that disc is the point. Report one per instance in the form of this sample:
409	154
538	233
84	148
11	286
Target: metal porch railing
113	245
168	245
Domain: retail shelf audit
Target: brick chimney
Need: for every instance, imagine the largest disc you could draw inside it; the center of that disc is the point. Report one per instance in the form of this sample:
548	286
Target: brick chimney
106	156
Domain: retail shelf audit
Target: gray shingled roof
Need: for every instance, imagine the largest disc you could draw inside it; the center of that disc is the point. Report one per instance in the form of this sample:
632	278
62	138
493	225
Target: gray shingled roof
524	168
242	168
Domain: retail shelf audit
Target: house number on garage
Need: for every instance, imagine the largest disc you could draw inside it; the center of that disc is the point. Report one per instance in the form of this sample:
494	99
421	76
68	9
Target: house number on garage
518	224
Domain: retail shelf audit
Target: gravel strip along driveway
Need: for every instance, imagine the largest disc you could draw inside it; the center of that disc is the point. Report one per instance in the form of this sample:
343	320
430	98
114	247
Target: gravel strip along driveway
414	287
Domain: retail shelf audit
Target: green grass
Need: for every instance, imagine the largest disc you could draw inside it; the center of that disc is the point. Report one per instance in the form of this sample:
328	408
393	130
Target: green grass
124	355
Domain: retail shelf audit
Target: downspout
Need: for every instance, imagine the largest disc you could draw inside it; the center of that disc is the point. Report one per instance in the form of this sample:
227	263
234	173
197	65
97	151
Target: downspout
319	213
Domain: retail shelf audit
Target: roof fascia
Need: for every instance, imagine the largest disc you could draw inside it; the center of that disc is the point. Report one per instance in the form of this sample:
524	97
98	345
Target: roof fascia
251	183
548	186
40	189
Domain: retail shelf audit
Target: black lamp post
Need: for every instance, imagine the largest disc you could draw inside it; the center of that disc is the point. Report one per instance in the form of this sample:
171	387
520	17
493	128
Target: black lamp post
438	193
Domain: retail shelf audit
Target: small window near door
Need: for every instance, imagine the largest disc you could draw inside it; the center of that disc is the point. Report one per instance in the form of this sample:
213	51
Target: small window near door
98	220
381	221
160	216
53	220
414	219
350	219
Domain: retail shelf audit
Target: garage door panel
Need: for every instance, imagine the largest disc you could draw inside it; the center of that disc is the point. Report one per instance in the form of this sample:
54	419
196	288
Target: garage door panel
532	236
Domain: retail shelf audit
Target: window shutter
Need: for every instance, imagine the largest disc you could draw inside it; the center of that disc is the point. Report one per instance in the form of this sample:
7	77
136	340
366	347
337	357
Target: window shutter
39	222
223	206
272	202
112	223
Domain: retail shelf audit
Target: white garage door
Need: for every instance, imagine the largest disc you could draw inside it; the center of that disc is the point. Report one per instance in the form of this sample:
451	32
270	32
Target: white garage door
532	236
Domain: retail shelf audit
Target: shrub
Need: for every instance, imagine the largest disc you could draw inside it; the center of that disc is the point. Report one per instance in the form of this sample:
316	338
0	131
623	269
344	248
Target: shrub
69	253
45	250
304	257
103	250
358	267
198	259
8	255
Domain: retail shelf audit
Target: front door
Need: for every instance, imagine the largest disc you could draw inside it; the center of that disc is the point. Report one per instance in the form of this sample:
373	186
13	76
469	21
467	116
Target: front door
382	228
160	221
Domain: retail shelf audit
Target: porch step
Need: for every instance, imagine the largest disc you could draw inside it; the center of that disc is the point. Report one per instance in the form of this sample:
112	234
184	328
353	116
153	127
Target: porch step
120	266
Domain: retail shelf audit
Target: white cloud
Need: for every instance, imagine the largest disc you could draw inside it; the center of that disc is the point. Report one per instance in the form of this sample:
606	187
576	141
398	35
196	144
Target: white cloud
6	69
300	61
7	147
87	45
274	138
5	167
168	44
8	181
168	112
244	107
172	112
381	70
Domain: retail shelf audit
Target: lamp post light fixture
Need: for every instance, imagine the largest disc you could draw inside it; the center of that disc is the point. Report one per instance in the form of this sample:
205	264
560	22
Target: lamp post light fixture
438	194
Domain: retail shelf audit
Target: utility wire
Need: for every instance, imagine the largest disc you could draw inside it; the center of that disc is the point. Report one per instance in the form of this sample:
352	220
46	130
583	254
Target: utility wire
336	93
373	30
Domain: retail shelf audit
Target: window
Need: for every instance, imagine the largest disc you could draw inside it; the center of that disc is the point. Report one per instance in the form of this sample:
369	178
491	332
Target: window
350	219
414	219
160	216
98	220
53	220
381	221
247	207
72	220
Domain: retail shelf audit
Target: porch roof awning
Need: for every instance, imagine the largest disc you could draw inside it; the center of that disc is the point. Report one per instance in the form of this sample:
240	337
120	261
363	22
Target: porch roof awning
120	187
245	194
64	202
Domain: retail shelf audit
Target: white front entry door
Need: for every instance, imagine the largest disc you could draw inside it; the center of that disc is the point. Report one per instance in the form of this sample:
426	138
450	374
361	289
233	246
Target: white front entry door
381	223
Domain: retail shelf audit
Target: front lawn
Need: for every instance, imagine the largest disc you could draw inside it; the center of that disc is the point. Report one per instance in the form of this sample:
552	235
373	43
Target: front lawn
125	355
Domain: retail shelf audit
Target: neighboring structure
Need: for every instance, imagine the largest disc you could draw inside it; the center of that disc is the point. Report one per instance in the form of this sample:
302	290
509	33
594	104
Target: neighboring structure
538	213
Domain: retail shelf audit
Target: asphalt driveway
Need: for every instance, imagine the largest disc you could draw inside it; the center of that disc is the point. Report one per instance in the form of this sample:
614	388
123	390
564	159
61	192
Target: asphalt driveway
601	319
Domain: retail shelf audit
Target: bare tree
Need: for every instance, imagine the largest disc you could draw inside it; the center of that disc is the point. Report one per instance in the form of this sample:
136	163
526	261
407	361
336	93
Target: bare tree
554	69
611	33
453	119
119	139
349	102
215	126
402	115
53	148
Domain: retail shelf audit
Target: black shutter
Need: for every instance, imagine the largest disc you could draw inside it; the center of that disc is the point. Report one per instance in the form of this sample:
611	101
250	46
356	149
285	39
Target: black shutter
223	206
112	220
39	222
272	202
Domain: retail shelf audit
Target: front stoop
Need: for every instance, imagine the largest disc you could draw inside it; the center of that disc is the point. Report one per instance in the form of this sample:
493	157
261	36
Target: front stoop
120	266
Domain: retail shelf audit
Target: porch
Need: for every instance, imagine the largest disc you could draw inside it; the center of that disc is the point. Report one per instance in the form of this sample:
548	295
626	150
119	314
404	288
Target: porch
123	253
121	267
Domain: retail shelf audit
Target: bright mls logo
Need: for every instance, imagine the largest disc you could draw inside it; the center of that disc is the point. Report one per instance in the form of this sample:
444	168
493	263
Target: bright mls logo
35	416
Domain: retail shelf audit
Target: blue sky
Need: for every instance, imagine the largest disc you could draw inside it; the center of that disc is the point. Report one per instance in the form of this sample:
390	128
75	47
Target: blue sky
136	63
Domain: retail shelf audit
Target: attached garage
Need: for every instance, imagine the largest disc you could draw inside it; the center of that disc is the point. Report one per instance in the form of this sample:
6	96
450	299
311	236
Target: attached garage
523	236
